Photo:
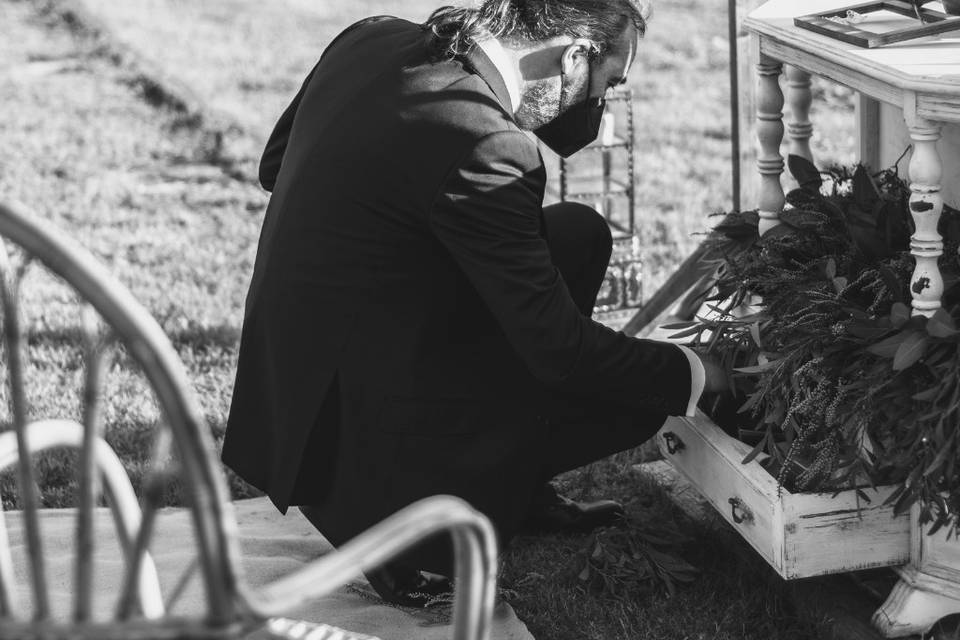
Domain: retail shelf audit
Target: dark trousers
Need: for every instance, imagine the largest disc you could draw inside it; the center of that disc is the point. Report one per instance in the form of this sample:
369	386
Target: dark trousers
581	430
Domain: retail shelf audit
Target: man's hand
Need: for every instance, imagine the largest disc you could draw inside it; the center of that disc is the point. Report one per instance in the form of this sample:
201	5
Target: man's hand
717	378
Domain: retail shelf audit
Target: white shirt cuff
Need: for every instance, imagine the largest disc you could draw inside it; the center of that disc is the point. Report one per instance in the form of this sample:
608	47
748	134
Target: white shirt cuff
698	379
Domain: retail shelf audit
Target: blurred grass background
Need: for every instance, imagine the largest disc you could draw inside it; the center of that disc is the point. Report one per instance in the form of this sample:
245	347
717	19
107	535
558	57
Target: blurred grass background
88	145
246	59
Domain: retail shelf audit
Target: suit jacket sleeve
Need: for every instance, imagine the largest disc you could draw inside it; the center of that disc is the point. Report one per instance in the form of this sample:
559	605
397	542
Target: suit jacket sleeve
488	214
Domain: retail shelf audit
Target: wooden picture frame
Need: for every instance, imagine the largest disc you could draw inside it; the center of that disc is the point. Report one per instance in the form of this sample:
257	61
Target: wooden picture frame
828	23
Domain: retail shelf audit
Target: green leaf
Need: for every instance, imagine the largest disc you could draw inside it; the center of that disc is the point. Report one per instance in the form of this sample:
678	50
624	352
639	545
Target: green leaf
899	314
892	282
760	368
839	284
653	538
910	350
855	313
938	460
866	449
887	348
870	243
867	331
755	334
757	450
941	325
692	331
805	173
748	435
936	526
758	316
680	325
752	400
678	568
893	497
778	232
801	219
941	354
926	396
861	218
831	269
865	191
904	502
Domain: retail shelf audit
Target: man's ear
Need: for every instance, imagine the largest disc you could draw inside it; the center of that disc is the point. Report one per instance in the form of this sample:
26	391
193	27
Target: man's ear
575	54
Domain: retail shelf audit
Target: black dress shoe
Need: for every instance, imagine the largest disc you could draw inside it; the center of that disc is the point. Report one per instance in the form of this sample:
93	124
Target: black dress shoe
407	587
556	513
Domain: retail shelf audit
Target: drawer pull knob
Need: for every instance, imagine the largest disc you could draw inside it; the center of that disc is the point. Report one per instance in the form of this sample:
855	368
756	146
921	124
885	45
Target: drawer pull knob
673	442
739	511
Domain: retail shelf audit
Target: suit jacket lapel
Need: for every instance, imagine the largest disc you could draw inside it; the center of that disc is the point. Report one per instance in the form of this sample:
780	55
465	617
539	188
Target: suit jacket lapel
477	61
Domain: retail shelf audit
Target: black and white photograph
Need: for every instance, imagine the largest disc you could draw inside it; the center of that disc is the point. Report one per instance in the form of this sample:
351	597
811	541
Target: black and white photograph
479	319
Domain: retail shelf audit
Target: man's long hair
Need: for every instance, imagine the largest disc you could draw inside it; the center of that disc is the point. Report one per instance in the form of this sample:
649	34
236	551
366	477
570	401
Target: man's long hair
455	29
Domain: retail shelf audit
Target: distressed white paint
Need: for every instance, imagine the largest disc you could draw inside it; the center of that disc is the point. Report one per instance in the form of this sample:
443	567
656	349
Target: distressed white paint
799	97
928	589
800	535
921	80
891	139
769	137
926	205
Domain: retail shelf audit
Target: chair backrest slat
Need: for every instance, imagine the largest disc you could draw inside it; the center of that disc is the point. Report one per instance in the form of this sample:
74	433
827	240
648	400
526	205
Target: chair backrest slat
89	489
150	502
134	567
43	435
149	347
8	605
180	586
9	296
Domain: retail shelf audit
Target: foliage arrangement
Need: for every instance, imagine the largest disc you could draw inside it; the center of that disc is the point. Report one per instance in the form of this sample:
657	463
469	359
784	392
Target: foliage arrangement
838	386
639	558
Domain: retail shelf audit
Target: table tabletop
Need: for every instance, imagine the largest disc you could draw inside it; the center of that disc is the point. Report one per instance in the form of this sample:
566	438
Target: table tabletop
930	65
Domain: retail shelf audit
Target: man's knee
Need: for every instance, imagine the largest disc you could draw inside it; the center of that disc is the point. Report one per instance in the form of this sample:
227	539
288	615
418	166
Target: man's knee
598	228
585	222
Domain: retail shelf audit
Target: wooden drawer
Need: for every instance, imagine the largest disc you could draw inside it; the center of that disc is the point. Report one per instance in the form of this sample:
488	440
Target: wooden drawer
798	534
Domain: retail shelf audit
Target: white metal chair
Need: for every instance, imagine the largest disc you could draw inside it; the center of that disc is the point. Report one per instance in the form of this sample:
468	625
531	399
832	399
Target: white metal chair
183	447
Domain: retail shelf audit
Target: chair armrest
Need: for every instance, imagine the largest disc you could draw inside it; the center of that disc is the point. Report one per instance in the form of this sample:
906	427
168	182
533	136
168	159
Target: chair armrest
475	551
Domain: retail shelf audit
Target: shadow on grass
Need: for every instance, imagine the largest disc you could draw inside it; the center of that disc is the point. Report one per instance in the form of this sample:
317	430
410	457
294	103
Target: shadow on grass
734	595
192	336
128	430
58	471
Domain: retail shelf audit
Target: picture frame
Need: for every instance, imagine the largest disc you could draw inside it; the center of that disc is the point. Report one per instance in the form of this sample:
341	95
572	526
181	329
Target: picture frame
834	23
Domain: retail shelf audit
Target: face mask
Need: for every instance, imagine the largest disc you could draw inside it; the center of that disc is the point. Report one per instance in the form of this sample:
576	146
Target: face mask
575	128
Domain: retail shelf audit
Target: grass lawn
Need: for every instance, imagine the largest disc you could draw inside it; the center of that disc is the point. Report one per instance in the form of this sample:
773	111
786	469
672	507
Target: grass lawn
227	51
135	184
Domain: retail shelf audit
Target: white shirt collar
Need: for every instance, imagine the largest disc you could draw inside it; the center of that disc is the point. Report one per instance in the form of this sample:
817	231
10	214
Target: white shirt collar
501	61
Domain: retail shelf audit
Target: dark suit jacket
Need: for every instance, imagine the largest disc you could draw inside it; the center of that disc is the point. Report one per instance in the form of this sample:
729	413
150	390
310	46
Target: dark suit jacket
404	319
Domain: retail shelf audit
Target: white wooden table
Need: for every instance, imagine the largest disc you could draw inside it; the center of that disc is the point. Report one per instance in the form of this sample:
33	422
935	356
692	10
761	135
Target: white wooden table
920	80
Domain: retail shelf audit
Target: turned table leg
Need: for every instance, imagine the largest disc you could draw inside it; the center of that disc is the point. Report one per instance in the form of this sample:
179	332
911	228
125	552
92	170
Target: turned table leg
926	204
769	136
929	586
799	96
